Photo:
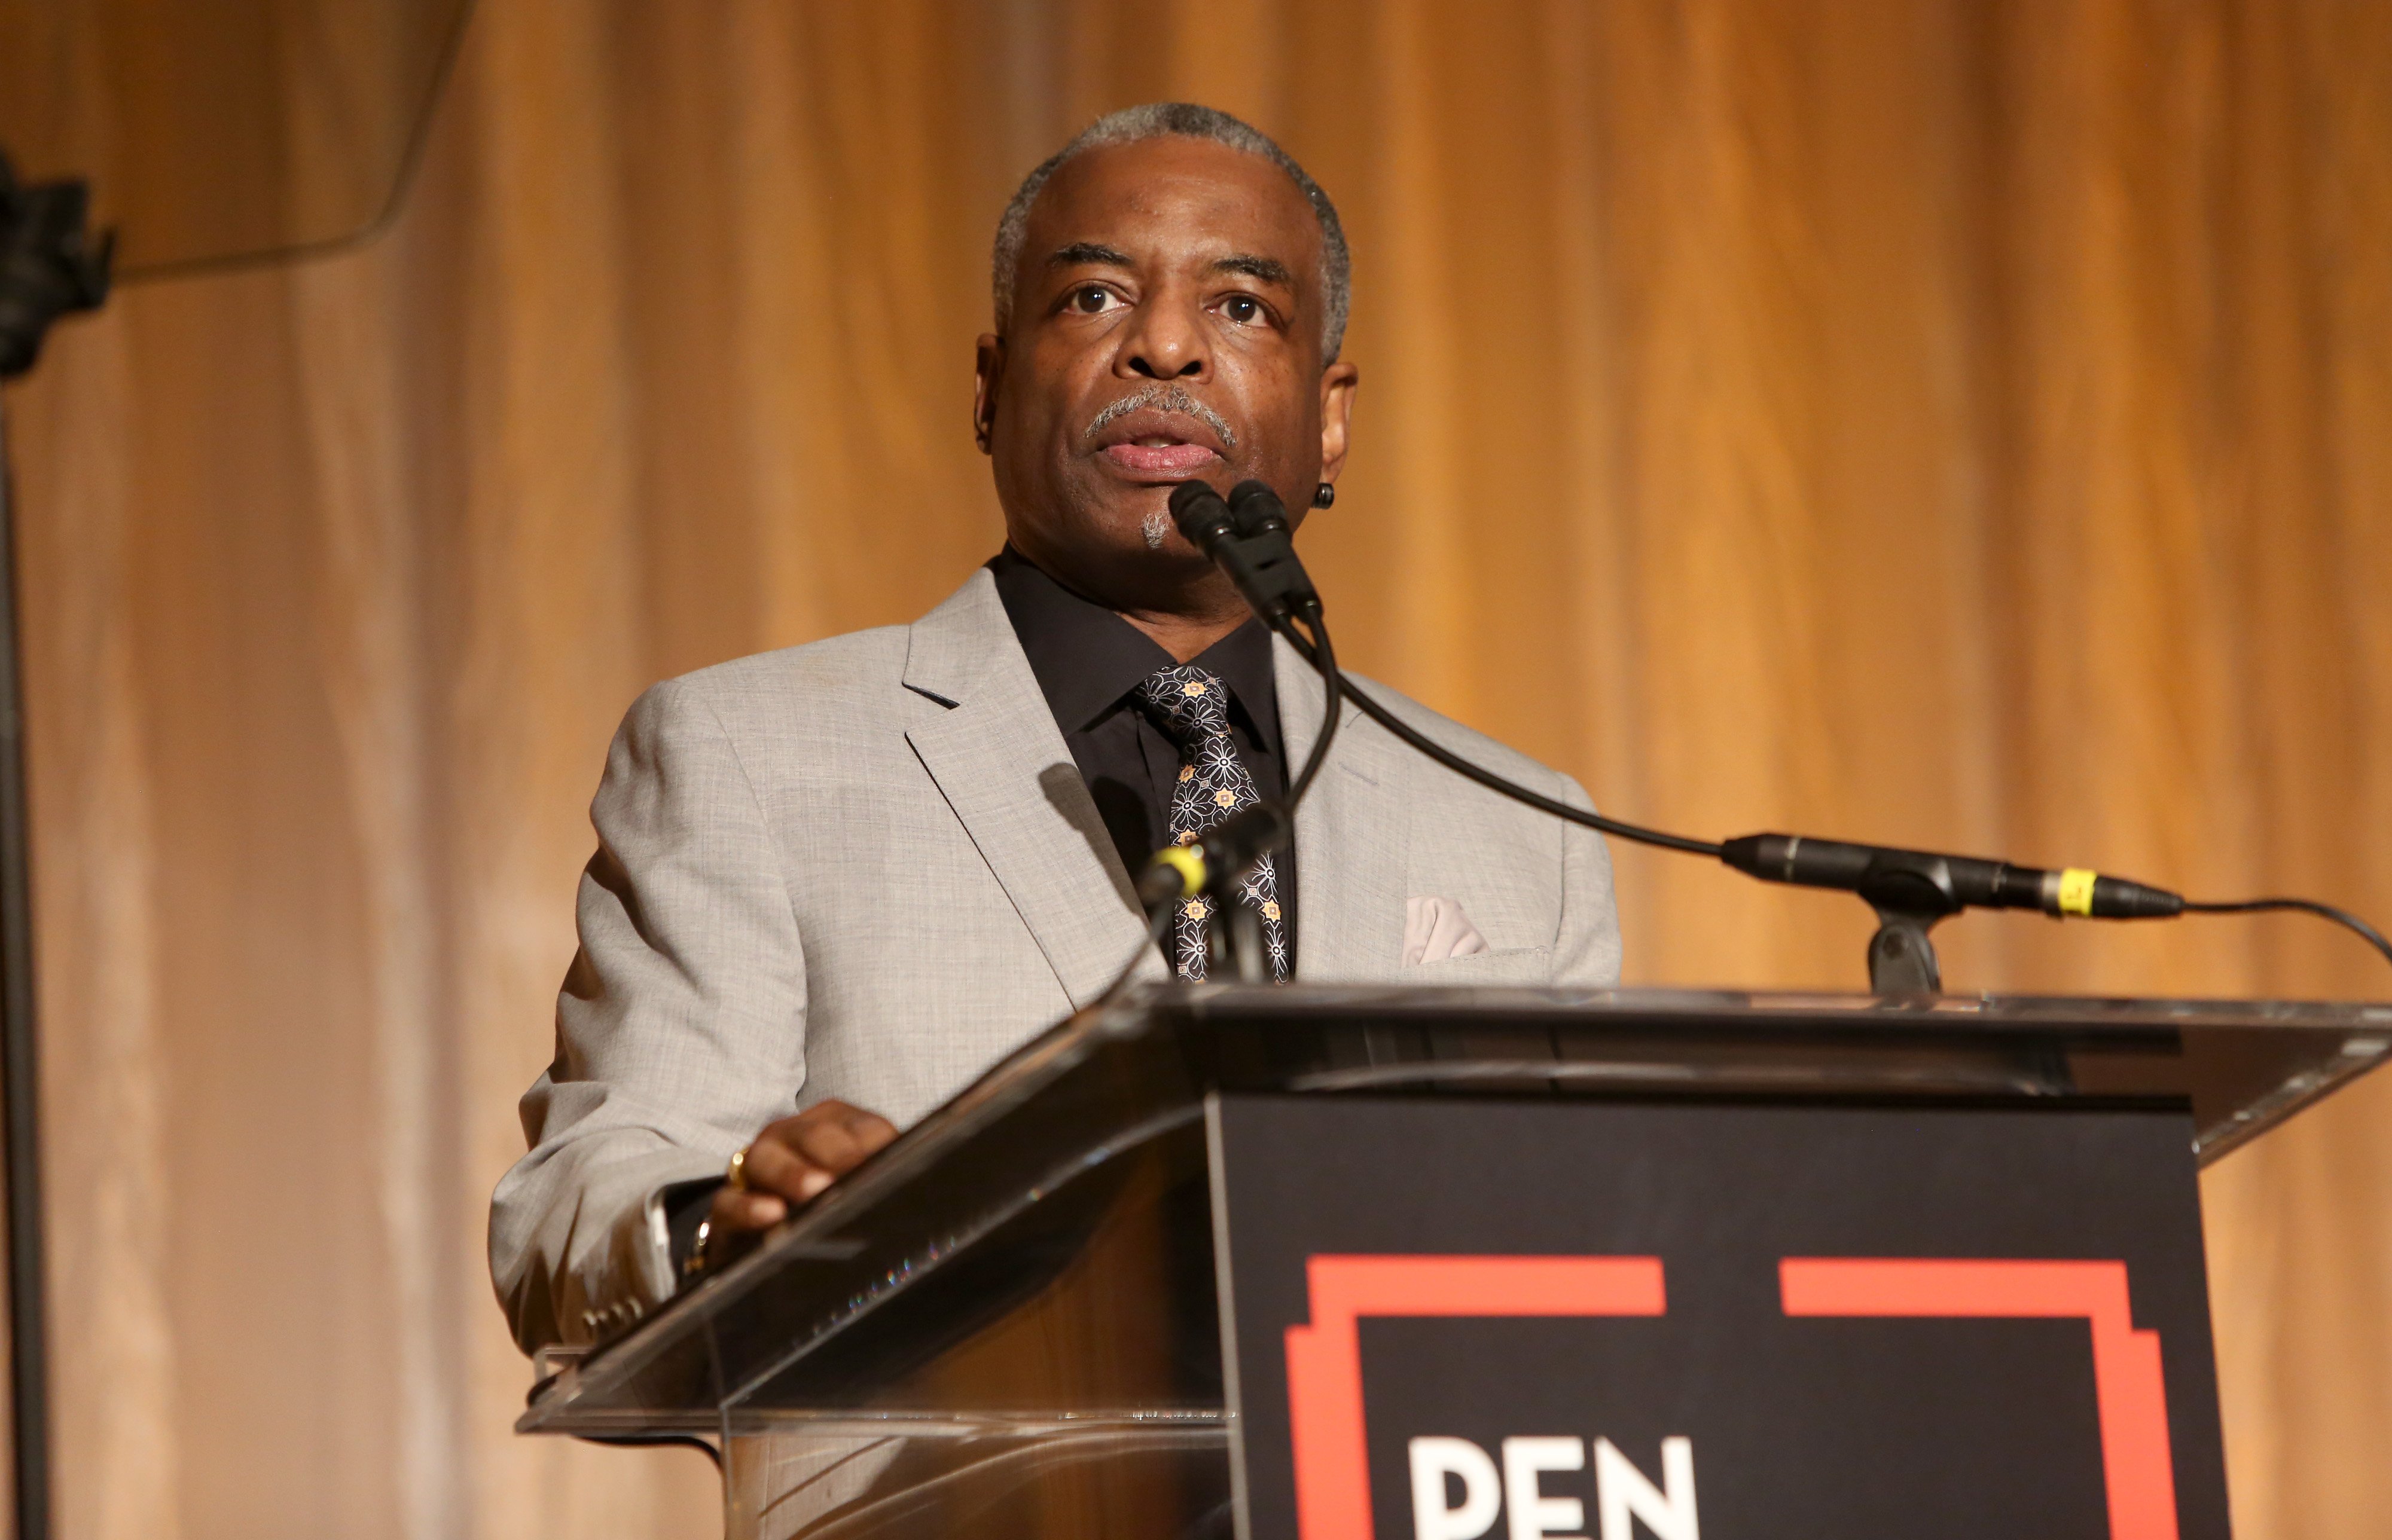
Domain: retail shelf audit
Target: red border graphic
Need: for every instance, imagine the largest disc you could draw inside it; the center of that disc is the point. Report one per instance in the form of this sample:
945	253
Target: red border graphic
2131	1395
1324	1359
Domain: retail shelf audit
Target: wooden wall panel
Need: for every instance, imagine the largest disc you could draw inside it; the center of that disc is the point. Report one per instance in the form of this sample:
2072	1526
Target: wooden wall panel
1945	421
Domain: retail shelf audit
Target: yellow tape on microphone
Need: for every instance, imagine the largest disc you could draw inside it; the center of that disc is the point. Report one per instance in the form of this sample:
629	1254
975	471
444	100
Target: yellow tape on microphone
1189	861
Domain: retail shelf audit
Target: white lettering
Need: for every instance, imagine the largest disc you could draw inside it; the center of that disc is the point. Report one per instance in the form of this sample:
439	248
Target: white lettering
1533	1514
1482	1492
1622	1492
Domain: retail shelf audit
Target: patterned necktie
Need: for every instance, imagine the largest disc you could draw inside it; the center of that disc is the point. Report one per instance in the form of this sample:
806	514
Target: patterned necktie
1194	709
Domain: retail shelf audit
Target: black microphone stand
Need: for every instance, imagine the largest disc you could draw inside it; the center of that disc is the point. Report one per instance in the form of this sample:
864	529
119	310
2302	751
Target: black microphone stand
1901	955
47	268
1910	897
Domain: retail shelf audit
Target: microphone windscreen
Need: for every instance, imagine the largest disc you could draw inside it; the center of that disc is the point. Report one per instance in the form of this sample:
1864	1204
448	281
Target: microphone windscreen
1257	508
1201	514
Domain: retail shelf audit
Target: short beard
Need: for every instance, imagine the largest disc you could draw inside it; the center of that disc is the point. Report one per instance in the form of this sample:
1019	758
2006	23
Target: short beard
1157	526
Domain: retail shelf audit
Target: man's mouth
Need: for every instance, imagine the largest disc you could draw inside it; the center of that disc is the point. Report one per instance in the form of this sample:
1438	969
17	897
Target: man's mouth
1158	454
1162	434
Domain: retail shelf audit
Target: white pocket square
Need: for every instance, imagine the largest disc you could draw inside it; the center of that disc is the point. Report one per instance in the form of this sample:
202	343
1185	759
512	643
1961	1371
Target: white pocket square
1435	929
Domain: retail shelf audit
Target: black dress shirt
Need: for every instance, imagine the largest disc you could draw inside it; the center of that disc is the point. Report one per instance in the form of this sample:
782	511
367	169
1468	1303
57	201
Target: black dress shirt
1089	662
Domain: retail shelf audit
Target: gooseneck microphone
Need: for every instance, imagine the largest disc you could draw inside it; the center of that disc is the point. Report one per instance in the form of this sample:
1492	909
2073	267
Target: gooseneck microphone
1257	551
1246	535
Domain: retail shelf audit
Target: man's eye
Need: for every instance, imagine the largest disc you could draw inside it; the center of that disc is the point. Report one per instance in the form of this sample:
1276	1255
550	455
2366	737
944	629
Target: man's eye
1244	309
1093	299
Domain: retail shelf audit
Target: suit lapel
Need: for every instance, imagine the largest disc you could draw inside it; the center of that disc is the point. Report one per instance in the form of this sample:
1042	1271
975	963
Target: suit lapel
1351	832
1000	762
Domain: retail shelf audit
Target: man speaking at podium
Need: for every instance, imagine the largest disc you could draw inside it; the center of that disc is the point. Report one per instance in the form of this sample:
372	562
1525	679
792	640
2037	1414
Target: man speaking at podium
854	874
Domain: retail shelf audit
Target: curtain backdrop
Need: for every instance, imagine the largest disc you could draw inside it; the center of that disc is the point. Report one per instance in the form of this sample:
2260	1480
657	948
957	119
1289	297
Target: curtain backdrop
1959	423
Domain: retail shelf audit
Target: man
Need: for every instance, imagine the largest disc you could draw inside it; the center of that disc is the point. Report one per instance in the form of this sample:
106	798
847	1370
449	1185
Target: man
855	875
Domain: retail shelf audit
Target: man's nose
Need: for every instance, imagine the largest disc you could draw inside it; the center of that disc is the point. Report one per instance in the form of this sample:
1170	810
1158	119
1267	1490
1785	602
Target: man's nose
1167	342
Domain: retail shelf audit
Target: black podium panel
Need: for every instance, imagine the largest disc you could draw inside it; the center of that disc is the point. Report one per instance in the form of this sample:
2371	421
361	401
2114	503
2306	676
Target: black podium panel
1858	1322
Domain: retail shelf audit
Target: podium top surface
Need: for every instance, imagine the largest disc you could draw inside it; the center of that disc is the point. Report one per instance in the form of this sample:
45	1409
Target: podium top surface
784	1331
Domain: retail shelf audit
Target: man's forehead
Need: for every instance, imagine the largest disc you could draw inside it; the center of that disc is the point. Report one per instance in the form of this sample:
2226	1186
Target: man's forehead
1188	199
1220	256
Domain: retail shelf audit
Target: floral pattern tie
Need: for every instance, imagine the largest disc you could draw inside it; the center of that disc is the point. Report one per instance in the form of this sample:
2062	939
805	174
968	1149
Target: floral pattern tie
1193	708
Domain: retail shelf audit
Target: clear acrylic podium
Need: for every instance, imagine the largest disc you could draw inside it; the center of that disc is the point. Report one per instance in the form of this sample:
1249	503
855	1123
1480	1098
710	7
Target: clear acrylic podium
1010	1322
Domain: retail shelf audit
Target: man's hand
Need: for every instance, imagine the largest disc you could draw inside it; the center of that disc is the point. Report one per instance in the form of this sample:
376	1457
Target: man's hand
790	1163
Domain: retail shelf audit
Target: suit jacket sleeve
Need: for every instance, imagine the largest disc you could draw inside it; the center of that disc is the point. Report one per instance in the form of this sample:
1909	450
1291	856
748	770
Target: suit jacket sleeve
1586	953
679	1030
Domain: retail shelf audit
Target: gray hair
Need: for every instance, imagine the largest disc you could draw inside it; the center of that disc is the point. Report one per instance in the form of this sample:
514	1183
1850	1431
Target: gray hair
1156	121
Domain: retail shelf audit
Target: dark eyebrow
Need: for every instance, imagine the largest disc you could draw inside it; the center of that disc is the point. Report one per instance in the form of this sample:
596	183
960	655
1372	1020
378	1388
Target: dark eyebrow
1267	270
1085	254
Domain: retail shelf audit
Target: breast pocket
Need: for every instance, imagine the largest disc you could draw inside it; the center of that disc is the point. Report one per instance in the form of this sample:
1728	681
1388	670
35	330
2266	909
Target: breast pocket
1511	965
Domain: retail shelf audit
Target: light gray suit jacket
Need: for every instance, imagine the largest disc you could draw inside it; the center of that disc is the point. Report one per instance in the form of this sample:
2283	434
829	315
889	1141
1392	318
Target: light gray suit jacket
868	868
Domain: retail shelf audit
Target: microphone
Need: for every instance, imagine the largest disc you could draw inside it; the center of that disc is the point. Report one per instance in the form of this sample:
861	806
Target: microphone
1926	884
1259	511
1247	537
1216	859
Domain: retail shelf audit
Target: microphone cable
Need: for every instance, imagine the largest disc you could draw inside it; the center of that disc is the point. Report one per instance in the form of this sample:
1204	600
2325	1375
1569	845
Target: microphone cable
2304	906
1662	839
1333	683
1470	771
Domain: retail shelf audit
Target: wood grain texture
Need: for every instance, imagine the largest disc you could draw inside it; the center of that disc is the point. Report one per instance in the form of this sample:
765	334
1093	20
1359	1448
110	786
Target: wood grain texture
1945	422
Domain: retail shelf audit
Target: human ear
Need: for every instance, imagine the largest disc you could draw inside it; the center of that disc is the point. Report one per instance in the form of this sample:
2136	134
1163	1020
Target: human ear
988	371
1338	385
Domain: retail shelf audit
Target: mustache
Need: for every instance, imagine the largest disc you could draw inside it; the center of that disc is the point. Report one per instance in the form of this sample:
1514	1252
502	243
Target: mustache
1173	397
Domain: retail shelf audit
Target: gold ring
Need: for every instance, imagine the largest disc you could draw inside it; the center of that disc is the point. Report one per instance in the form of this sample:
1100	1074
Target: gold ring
735	1174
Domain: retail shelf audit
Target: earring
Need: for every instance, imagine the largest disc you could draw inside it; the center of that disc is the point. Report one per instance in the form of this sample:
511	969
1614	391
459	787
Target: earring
1324	495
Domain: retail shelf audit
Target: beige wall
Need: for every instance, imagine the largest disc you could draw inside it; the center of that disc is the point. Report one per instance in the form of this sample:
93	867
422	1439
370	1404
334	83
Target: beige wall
1957	423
